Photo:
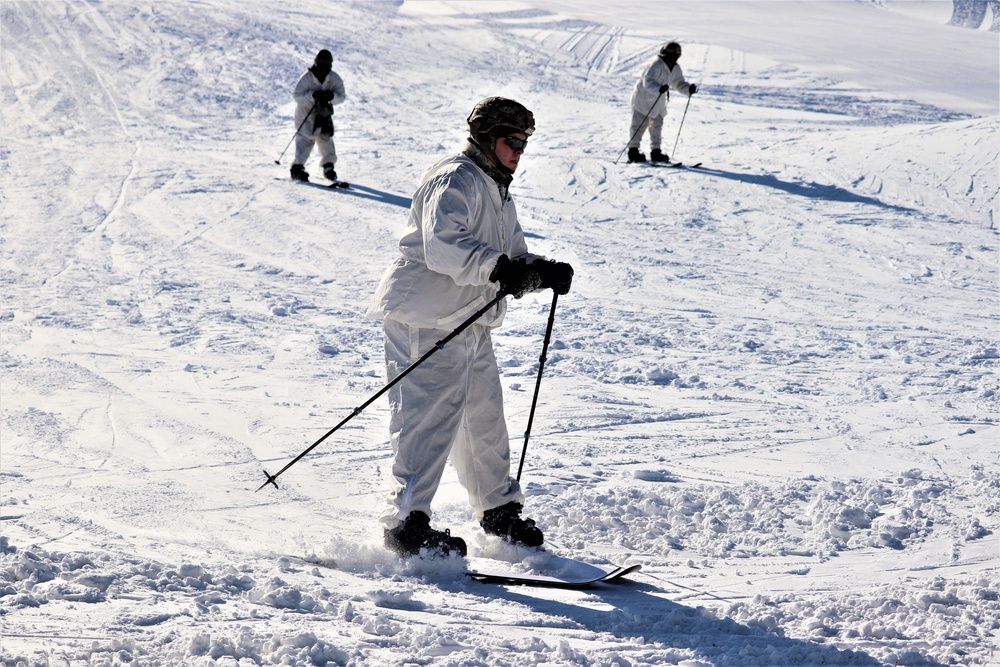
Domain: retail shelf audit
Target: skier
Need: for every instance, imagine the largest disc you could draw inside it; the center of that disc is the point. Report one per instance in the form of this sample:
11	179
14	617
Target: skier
462	244
649	101
316	93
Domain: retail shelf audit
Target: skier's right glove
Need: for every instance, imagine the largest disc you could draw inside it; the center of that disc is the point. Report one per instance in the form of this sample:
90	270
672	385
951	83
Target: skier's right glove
323	95
517	277
664	88
557	275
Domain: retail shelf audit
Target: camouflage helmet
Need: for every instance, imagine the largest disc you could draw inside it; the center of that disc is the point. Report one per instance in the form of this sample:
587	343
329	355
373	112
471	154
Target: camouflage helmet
498	115
671	49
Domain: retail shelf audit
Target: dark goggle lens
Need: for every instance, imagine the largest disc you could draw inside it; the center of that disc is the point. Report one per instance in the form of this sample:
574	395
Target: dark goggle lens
515	143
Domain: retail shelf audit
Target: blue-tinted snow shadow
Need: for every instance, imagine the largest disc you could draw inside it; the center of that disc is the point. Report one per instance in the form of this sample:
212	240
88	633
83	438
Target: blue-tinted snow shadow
837	104
365	192
639	613
808	189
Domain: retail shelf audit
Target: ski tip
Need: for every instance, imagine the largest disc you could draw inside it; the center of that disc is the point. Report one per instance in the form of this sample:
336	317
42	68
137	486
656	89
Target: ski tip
623	571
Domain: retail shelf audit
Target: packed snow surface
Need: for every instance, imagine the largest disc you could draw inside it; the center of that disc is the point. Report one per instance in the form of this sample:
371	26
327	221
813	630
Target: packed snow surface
774	383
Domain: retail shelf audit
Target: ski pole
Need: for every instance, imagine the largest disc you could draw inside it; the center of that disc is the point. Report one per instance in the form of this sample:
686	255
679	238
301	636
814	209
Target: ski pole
311	109
437	346
638	128
538	381
674	152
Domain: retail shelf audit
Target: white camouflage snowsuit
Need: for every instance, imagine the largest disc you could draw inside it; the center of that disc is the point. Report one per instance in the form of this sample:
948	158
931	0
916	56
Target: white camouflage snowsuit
459	226
310	133
645	94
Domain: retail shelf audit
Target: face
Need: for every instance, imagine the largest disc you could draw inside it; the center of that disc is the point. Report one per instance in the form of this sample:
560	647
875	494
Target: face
323	65
508	156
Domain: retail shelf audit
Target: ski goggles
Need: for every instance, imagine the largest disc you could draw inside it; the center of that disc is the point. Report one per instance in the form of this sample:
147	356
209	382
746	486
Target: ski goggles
515	143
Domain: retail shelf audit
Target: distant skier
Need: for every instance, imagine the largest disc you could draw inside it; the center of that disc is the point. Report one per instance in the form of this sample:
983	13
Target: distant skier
649	101
316	93
462	245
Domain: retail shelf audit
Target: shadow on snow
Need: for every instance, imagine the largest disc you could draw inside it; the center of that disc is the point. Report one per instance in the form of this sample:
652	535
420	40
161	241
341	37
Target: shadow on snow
639	613
865	107
810	190
365	192
362	192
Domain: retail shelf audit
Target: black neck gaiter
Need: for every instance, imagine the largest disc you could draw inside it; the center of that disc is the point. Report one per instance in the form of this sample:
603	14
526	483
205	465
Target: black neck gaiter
487	163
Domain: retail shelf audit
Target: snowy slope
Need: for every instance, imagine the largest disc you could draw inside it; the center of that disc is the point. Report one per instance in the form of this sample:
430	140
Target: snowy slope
774	383
883	46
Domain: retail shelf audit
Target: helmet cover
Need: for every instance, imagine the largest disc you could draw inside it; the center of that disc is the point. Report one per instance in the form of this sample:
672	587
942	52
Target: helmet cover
671	49
494	116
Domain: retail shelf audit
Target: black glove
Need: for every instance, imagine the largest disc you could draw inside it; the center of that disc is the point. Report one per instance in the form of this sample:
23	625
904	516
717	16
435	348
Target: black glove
323	95
692	89
557	275
517	277
664	88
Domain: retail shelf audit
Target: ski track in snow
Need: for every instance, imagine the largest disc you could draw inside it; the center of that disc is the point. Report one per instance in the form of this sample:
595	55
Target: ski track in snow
773	384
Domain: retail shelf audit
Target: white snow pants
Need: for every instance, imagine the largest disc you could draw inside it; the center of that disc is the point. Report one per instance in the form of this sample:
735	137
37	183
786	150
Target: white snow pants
304	145
451	404
638	128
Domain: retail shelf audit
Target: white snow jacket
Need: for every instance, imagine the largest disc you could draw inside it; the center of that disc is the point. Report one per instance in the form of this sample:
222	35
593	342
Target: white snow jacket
458	228
303	95
647	88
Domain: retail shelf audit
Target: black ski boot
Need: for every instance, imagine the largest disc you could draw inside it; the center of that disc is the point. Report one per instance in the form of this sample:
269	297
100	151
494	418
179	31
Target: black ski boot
329	172
506	522
635	156
415	534
299	173
658	156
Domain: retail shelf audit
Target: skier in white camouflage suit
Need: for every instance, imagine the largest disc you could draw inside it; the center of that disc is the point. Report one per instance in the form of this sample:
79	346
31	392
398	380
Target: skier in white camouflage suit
462	245
649	101
316	93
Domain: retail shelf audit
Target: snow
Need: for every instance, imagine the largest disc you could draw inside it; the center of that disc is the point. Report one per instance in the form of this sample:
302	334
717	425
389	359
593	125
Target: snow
774	383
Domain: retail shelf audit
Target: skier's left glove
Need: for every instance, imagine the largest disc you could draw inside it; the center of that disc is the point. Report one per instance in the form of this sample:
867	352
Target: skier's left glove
323	95
557	275
692	89
516	277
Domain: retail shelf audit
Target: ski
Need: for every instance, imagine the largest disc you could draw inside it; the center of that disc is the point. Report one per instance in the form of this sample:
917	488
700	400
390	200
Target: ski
592	575
289	560
675	165
681	165
333	185
514	579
